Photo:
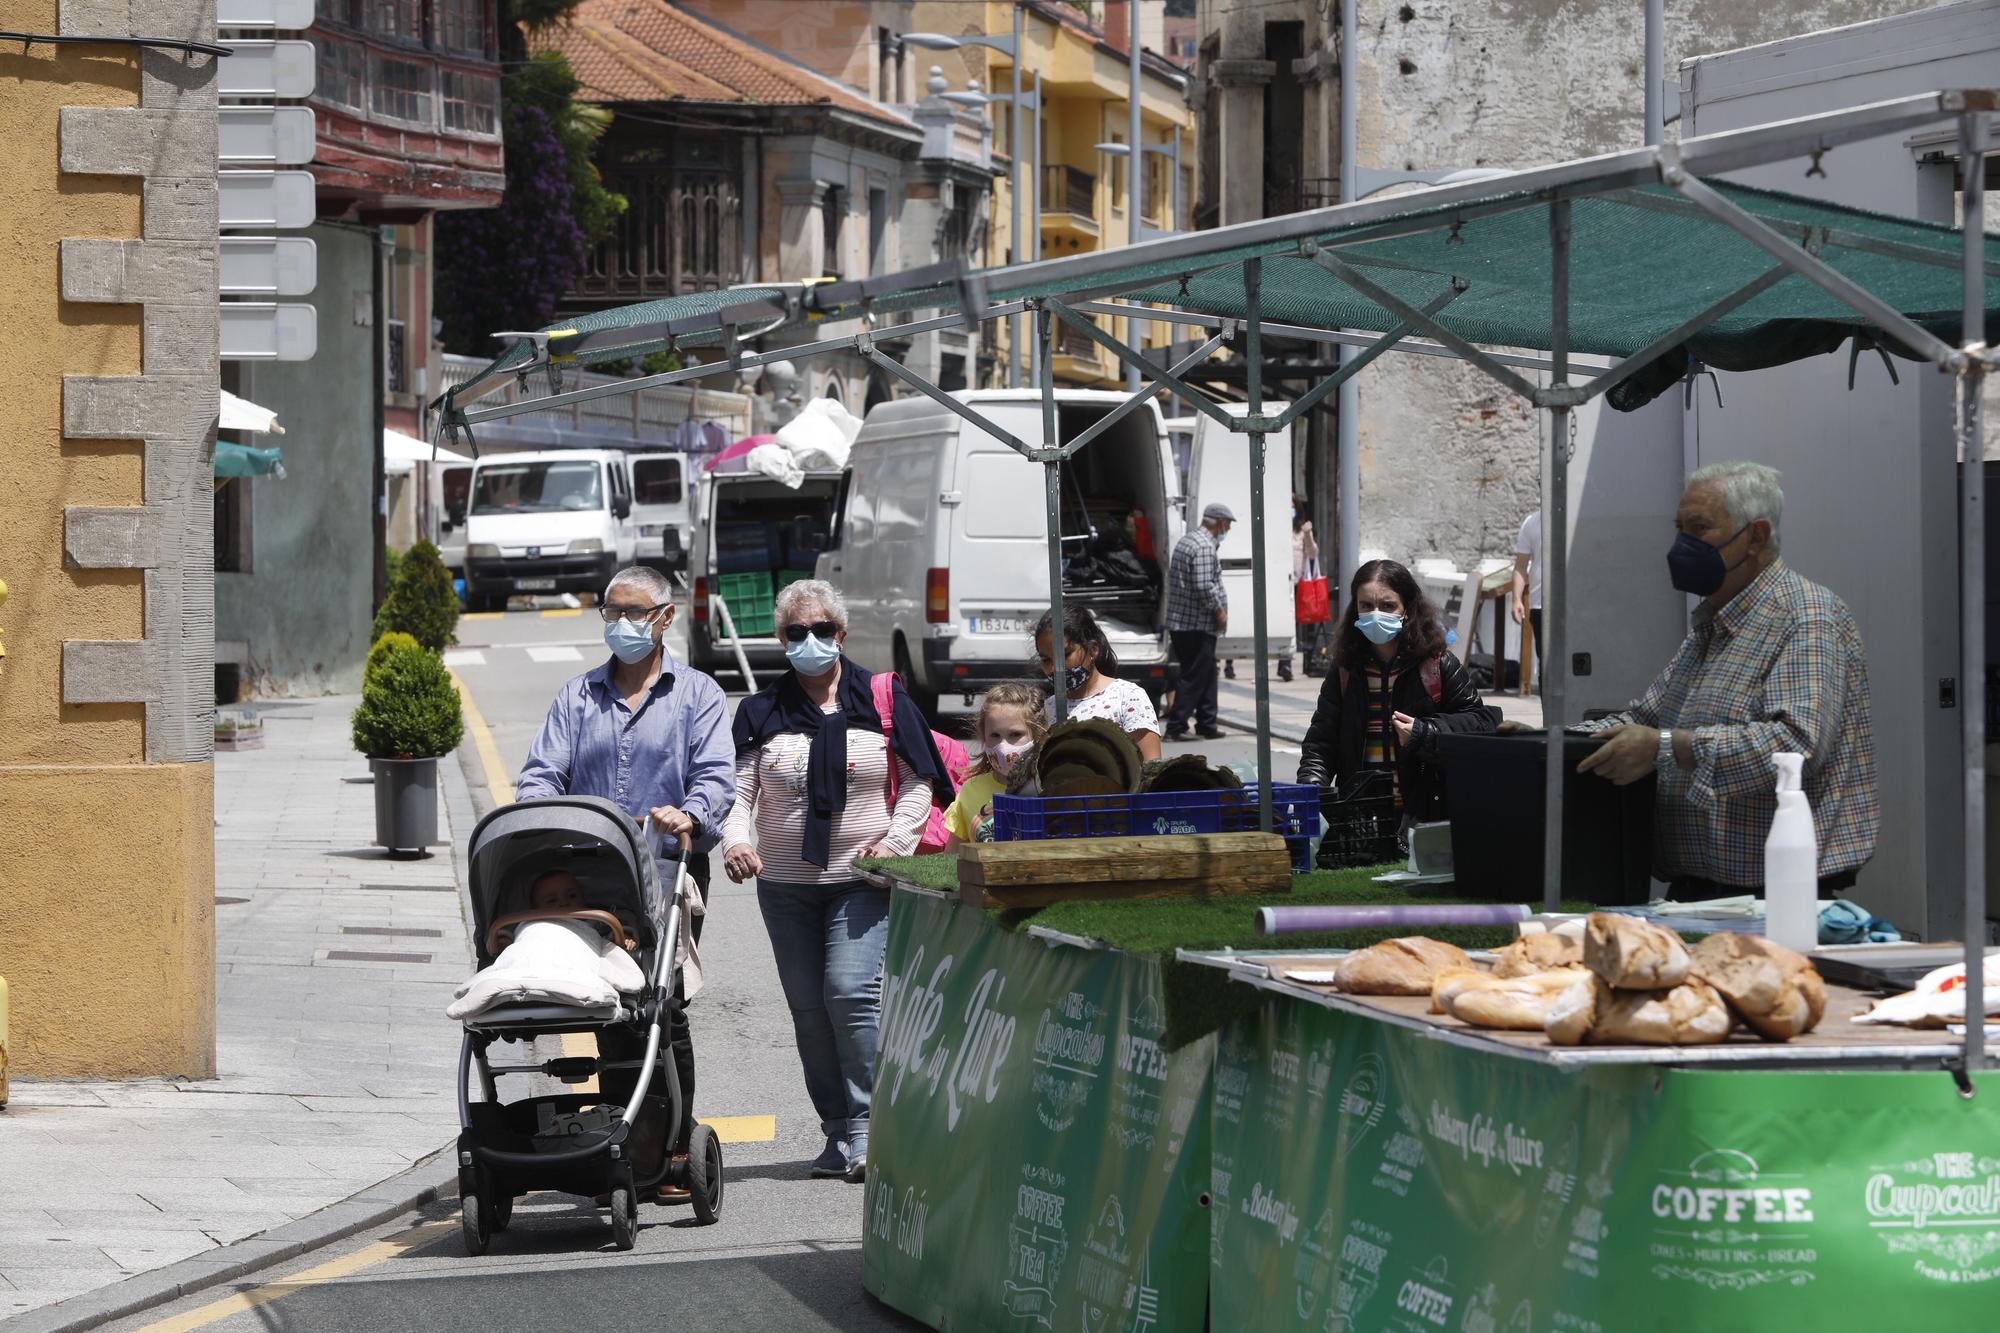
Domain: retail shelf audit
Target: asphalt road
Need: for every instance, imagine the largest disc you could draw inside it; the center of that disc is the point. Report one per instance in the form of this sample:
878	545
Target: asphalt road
786	1253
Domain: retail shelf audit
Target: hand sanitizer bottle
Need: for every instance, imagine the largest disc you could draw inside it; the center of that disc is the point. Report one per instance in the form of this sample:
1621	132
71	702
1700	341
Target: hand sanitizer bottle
1791	862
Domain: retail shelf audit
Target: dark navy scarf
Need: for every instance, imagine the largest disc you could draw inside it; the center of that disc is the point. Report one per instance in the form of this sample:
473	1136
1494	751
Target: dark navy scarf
782	708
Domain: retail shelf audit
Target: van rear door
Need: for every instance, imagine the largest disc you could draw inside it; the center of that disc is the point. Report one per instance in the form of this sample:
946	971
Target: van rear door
660	507
1219	471
454	491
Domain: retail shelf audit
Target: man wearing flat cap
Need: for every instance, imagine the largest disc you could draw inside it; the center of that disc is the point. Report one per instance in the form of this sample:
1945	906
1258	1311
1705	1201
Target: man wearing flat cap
1197	611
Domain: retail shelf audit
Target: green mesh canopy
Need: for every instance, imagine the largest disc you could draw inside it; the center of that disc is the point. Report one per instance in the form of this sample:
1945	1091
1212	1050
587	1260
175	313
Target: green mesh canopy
1643	262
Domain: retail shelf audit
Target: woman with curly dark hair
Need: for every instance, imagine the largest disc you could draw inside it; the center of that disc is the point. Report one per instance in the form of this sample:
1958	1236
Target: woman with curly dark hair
1393	689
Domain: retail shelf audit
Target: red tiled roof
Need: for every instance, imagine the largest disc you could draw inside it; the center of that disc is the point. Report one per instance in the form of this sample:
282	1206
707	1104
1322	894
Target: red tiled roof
653	51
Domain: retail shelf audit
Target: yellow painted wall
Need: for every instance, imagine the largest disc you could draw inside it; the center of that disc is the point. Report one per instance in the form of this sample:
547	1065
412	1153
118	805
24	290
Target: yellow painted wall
106	862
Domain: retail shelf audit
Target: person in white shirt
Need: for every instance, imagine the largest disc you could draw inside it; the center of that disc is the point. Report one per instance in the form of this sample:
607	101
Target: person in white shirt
1091	688
1527	587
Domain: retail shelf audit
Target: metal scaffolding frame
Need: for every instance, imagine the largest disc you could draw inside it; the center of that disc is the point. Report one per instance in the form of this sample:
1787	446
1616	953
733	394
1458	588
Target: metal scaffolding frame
1086	281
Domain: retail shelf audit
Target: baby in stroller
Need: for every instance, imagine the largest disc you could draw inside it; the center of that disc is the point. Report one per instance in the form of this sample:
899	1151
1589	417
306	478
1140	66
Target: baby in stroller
575	932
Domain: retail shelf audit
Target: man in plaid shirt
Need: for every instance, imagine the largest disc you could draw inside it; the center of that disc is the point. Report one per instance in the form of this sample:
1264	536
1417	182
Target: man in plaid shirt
1773	664
1197	610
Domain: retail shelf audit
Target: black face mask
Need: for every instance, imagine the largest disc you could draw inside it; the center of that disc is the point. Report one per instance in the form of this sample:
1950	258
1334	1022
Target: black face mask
1696	567
1074	679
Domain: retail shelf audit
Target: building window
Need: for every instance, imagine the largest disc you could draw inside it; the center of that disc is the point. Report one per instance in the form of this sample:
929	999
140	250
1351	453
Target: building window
470	102
340	73
832	220
396	18
889	66
1118	168
680	233
460	25
878	232
400	89
339	11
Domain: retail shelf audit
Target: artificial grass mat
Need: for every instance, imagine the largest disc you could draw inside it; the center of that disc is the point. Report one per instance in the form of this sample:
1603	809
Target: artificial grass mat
1201	999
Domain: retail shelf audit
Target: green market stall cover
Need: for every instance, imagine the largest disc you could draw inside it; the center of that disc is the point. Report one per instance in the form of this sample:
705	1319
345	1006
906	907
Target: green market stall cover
1653	250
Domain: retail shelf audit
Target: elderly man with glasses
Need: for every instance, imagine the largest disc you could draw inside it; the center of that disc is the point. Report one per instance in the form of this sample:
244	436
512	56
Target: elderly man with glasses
653	736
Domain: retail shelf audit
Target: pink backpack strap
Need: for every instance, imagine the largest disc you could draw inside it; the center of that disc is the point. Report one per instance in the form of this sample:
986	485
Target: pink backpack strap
883	685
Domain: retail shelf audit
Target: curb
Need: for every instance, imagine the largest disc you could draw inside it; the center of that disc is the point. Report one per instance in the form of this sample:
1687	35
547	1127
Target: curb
434	1177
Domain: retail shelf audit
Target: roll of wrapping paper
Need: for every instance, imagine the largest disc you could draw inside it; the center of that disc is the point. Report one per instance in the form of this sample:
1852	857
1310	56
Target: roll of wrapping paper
1299	920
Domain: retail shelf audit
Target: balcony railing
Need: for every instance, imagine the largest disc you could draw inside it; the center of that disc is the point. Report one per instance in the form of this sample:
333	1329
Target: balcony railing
1067	189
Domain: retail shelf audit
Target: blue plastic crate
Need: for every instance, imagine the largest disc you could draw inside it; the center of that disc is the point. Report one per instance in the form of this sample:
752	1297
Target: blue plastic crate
1294	816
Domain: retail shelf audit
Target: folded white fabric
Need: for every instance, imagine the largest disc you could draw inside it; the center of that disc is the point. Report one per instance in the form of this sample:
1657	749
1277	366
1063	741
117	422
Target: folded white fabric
551	962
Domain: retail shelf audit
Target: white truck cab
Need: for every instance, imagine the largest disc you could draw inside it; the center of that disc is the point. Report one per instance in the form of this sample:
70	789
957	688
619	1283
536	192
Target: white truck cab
547	522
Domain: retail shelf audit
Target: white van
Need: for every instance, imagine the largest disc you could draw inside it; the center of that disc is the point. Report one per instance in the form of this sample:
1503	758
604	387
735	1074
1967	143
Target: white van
1219	472
663	508
752	536
942	545
547	522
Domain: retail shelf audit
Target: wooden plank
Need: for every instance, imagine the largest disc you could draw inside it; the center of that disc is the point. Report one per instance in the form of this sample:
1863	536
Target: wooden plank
1111	860
1043	895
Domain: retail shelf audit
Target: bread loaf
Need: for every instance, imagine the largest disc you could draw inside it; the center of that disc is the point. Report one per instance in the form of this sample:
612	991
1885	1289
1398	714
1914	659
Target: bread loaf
1776	991
1518	1004
1630	954
1405	966
1538	953
1690	1014
1450	982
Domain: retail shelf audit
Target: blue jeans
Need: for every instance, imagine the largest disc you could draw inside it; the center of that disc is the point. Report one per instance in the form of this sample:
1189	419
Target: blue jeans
827	940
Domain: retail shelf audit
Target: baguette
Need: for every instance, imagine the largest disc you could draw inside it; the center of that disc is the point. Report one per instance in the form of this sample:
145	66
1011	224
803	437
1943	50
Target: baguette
1775	991
1630	954
1519	1004
1405	966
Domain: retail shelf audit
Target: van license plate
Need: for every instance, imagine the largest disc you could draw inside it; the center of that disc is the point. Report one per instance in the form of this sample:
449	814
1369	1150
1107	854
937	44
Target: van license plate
998	625
534	585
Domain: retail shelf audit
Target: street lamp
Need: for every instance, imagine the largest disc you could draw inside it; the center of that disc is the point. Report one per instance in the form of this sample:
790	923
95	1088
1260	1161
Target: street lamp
1170	150
1011	48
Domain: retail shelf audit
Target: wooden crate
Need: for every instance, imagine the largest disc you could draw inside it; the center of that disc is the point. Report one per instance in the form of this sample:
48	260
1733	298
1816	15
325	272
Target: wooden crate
1035	874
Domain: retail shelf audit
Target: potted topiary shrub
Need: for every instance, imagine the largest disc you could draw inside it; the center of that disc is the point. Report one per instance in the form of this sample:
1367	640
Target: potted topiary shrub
409	716
421	602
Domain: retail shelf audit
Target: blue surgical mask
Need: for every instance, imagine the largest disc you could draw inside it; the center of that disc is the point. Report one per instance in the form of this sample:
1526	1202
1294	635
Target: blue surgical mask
628	642
1378	626
812	655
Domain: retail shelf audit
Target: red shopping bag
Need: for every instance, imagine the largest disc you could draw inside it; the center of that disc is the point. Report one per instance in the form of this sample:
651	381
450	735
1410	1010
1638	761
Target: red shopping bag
1309	598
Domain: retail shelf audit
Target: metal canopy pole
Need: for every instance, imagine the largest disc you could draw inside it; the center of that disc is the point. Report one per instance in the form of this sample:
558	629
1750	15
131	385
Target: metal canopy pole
1135	175
1347	408
1972	577
1014	200
1555	551
1045	332
1253	348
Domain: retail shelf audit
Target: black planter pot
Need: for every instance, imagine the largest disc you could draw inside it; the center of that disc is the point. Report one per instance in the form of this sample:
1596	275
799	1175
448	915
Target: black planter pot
406	804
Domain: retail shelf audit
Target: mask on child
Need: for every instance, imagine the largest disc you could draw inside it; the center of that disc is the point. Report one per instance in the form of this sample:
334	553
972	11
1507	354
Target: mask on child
1074	679
1004	755
813	656
1379	626
629	642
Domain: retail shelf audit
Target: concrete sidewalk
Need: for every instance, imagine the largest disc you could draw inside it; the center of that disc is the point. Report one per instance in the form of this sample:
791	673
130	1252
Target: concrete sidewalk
337	1065
1292	704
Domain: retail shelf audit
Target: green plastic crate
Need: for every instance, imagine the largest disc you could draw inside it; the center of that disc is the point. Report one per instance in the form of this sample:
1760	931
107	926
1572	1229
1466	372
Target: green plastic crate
749	598
791	576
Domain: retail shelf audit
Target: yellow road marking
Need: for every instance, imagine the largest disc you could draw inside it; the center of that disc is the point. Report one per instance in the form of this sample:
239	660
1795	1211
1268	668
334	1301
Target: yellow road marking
497	780
743	1128
333	1270
562	612
482	615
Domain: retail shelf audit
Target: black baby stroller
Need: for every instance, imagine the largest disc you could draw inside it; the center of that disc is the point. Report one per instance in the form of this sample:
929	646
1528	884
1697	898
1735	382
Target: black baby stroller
612	1143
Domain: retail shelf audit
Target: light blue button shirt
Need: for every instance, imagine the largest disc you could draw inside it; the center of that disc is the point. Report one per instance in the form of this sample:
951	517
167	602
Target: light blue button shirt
674	750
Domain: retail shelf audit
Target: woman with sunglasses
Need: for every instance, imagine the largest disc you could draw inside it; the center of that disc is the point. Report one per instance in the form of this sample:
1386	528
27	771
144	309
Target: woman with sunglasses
812	770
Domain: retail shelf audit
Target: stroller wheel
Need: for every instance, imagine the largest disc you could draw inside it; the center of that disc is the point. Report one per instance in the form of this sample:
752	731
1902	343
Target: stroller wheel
500	1208
472	1224
624	1218
704	1170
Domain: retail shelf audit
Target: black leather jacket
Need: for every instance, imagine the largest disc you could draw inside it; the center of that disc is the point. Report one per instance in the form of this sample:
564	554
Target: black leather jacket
1331	754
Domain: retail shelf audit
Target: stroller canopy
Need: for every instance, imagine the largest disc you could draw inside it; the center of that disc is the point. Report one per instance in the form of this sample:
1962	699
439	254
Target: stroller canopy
586	835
